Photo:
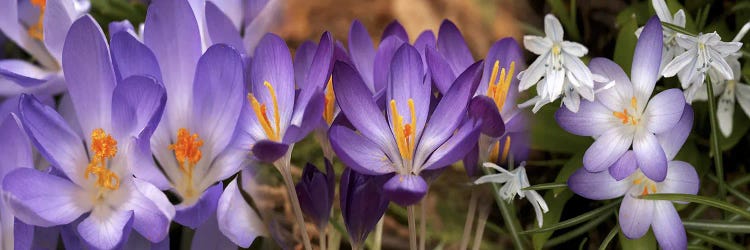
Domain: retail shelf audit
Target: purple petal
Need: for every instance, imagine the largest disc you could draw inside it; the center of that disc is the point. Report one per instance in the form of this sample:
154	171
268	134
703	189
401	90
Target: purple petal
406	83
357	104
664	110
321	64
592	119
44	237
596	185
425	40
681	179
382	65
504	52
273	63
667	226
451	44
208	236
650	157
218	94
56	23
138	104
22	73
396	30
303	59
269	151
621	93
313	193
483	109
194	215
636	216
150	220
471	163
221	29
42	199
310	105
624	166
173	36
54	139
607	149
89	74
362	52
120	26
340	54
455	147
440	70
268	14
647	59
131	57
107	229
405	190
673	139
15	147
22	236
359	152
362	202
236	219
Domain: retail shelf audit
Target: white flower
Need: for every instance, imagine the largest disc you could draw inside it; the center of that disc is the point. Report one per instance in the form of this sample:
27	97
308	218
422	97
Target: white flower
558	70
671	48
730	91
704	52
515	181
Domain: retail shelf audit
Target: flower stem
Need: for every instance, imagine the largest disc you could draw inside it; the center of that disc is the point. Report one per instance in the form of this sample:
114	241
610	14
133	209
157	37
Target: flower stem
284	167
715	139
484	213
469	219
423	223
412	228
378	235
322	238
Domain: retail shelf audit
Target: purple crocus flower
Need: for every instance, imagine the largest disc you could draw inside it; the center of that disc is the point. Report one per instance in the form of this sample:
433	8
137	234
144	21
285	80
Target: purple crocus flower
362	203
95	189
623	115
192	143
637	215
39	28
238	220
225	20
15	149
316	193
410	138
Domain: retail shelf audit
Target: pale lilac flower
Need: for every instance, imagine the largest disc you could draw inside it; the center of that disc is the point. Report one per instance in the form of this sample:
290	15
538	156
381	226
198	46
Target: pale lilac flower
625	115
558	71
671	49
515	181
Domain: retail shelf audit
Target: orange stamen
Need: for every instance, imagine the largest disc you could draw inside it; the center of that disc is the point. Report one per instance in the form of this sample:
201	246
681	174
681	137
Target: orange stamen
36	31
104	147
506	150
260	113
405	133
187	150
497	88
330	102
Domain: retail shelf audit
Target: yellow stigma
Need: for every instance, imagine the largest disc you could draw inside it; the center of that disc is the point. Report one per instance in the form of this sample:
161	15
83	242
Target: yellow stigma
497	88
405	133
36	31
649	187
330	102
556	49
187	150
625	117
495	151
260	113
104	147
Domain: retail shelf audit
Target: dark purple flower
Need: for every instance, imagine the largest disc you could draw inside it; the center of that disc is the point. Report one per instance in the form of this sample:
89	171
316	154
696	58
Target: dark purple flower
412	137
316	193
362	202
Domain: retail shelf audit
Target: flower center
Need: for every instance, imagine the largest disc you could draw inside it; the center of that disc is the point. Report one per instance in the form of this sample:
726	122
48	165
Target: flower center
36	31
187	150
644	183
556	50
556	60
273	133
498	90
330	102
405	133
495	152
625	116
104	148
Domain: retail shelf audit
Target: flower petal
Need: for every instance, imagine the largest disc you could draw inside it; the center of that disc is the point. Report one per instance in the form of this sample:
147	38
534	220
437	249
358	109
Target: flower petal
592	119
383	63
440	70
105	229
575	49
672	140
451	44
131	57
405	190
149	219
273	64
194	215
536	44
89	74
552	28
22	73
321	65
650	156
596	185
681	179
208	236
43	199
624	166
484	110
636	216
395	29
221	29
668	227
664	110
455	148
616	97
358	152
678	63
236	219
607	149
15	146
269	151
362	52
645	69
56	24
725	111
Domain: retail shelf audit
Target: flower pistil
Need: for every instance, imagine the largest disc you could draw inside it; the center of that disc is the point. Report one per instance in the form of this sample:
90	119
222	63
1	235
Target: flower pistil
104	147
273	133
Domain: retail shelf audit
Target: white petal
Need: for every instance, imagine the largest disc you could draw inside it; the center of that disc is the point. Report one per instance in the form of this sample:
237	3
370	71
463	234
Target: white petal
493	178
575	49
742	32
685	41
579	70
662	10
536	44
727	48
555	82
725	111
533	73
678	63
552	28
720	65
540	207
572	100
679	18
743	97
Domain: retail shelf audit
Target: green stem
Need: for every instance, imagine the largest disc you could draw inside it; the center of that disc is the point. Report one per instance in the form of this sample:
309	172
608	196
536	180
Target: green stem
378	242
715	139
609	237
423	222
469	219
412	228
484	213
576	232
511	221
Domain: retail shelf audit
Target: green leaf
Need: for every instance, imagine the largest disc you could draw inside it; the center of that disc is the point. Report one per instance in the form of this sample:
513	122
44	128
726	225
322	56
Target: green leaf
546	135
568	169
718	225
647	242
576	220
609	237
556	203
625	45
722	243
699	199
546	186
